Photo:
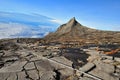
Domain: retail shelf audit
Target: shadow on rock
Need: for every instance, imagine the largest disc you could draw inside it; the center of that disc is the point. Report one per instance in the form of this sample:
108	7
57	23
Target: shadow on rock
77	56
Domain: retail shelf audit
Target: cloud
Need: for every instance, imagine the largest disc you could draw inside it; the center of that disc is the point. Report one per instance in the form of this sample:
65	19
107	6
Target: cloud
34	36
56	21
28	19
46	33
9	29
14	25
14	30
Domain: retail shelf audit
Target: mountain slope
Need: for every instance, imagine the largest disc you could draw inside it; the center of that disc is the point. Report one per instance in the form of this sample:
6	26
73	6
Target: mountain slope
74	31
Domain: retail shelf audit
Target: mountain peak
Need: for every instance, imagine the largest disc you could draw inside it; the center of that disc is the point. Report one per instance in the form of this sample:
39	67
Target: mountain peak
72	21
73	30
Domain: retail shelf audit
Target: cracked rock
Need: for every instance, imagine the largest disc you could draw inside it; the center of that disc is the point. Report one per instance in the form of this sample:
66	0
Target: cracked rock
50	75
29	65
15	67
33	74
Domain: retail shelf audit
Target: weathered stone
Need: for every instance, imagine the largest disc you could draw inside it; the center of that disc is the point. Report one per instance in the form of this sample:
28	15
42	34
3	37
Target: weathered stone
1	53
33	74
88	67
1	64
118	66
103	75
15	67
29	65
10	59
86	78
104	71
63	60
108	61
49	75
108	68
12	76
66	72
43	65
22	76
72	77
25	54
4	76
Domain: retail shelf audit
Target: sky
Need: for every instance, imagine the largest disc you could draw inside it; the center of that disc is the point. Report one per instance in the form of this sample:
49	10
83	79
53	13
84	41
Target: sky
99	14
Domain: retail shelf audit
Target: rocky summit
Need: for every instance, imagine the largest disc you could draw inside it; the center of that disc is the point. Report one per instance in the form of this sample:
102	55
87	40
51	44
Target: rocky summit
74	31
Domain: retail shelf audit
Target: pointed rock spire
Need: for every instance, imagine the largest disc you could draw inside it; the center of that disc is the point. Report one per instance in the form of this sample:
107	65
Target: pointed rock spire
72	21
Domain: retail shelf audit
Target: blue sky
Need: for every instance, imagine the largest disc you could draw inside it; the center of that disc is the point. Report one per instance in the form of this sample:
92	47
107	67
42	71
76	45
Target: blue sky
100	14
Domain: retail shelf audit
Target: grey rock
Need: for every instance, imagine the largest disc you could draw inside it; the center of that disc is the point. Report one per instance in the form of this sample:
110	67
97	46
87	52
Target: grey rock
88	67
49	75
29	65
44	65
10	58
86	78
22	76
104	71
12	76
4	76
15	67
1	53
33	74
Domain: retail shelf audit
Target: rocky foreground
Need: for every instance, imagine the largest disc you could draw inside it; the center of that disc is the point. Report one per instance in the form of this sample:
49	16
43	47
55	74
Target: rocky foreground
33	60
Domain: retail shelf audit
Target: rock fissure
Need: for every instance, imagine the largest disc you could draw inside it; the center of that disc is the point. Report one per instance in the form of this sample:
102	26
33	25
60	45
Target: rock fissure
58	74
37	70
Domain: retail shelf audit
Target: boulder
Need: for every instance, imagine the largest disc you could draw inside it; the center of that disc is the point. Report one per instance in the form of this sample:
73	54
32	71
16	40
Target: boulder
88	67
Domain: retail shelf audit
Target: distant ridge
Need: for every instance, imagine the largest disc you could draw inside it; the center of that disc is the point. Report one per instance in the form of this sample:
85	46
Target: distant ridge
74	31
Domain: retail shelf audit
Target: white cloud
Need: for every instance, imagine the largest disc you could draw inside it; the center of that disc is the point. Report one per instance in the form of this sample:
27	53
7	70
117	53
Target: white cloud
14	30
9	29
46	33
56	21
23	26
34	36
